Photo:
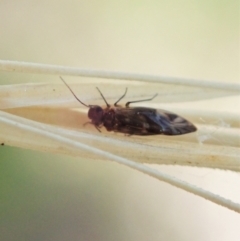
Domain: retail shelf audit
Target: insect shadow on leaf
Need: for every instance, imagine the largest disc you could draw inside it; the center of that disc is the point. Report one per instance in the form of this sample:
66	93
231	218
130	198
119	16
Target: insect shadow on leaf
135	120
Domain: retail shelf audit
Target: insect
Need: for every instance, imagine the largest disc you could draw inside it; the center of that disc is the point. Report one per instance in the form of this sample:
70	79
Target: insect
136	120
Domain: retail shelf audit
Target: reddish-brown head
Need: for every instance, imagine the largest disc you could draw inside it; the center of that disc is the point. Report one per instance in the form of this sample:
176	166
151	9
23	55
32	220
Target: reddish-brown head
95	114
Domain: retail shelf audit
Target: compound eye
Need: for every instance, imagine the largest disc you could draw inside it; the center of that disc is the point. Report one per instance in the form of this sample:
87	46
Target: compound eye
95	113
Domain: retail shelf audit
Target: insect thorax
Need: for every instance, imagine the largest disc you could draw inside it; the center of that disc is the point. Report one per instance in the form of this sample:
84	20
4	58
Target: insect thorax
109	118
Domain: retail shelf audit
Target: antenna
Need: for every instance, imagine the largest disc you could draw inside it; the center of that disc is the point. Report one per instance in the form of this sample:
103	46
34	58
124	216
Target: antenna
73	92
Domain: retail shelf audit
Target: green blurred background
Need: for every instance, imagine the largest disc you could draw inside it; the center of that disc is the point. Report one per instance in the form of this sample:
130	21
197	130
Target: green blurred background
50	197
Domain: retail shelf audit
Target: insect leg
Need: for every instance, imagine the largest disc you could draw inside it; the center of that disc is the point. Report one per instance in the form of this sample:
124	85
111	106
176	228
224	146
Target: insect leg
130	102
115	104
103	97
97	128
89	122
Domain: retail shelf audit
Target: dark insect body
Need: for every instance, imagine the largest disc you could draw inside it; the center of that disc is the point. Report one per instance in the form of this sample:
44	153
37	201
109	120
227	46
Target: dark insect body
136	120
